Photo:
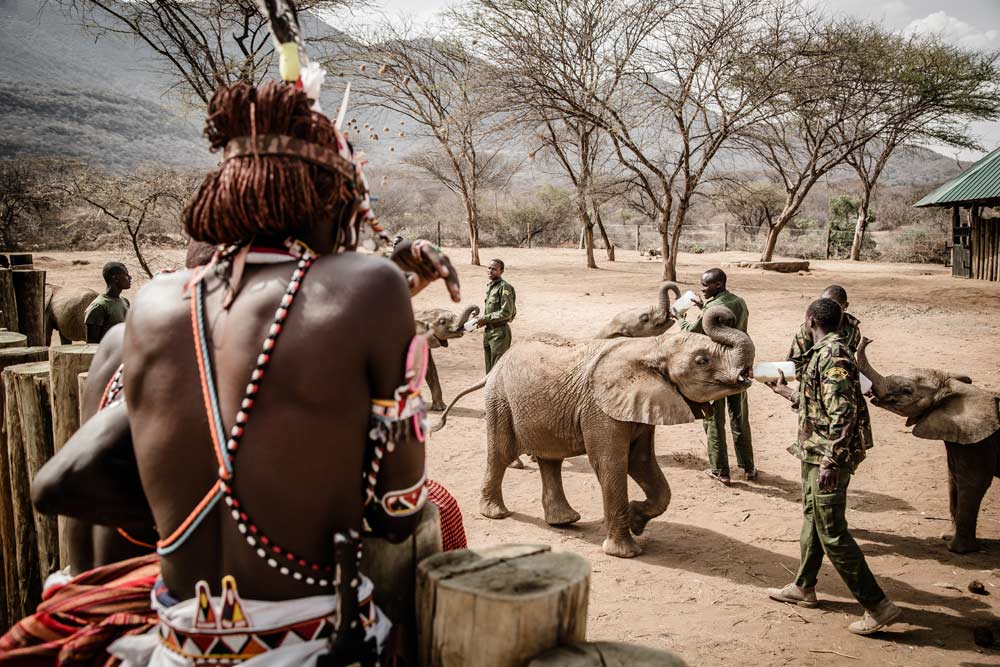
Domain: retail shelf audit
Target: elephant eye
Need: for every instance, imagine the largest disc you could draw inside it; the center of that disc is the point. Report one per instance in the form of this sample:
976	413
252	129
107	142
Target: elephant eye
644	318
906	391
442	321
701	360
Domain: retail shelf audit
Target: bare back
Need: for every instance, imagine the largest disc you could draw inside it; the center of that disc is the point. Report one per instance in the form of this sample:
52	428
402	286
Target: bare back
300	461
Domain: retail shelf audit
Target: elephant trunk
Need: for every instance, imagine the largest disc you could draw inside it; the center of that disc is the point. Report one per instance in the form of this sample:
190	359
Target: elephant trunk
720	325
665	290
879	384
468	313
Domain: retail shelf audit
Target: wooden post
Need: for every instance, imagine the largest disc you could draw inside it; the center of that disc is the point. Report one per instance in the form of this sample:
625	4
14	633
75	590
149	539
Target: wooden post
18	261
439	232
725	235
606	654
499	606
28	432
829	232
9	583
12	339
29	291
393	568
637	237
66	362
34	410
8	301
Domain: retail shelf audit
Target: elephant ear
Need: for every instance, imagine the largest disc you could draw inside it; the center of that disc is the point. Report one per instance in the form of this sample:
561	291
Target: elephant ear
966	416
627	385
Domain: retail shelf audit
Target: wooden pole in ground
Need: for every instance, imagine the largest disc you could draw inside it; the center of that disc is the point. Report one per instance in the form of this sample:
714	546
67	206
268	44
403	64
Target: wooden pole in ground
34	410
637	238
29	291
24	576
8	301
66	363
10	339
394	569
829	233
19	261
725	235
499	606
9	583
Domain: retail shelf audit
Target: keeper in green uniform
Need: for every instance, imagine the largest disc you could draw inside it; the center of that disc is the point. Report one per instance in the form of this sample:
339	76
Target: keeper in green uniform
834	432
850	331
714	293
110	308
499	312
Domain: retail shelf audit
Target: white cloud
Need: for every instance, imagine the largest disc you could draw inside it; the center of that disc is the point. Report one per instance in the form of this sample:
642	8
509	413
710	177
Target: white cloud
955	31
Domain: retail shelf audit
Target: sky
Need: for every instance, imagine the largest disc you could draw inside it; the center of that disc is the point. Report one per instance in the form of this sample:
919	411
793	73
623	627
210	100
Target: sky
968	23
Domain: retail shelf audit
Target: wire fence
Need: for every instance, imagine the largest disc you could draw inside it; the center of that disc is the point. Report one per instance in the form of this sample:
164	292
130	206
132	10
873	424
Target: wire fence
810	243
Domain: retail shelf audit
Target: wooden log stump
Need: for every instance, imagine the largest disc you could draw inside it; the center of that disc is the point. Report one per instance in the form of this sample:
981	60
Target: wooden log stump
606	654
12	339
499	606
11	432
28	430
29	291
8	301
66	363
393	569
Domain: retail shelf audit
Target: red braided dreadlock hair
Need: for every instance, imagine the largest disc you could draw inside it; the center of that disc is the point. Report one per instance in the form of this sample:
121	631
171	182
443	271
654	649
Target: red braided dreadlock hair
277	195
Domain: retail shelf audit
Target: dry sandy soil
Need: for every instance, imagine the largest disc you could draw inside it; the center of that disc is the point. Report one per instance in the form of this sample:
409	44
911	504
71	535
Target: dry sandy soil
698	587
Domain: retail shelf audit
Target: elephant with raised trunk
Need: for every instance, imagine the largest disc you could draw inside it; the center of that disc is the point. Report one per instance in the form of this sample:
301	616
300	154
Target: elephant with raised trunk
444	325
643	322
603	398
940	405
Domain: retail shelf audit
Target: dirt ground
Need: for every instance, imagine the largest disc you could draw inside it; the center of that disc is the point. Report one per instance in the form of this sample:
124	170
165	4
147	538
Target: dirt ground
698	587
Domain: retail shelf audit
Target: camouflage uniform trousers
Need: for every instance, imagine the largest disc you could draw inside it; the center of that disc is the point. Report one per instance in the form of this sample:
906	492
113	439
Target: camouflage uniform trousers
715	432
824	531
496	342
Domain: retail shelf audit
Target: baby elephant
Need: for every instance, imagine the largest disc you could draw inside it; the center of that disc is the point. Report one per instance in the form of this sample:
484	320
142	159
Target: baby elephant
444	325
946	406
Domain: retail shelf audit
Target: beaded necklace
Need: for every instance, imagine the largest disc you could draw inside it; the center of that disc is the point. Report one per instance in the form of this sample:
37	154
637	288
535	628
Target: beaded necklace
226	445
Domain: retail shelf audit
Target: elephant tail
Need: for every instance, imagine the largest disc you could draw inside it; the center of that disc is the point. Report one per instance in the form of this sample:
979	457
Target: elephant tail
444	415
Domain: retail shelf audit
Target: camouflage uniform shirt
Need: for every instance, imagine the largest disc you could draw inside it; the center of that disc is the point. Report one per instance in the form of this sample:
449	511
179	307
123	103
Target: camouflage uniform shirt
850	331
829	400
724	298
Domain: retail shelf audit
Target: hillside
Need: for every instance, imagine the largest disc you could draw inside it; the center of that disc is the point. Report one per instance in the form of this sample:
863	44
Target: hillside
104	99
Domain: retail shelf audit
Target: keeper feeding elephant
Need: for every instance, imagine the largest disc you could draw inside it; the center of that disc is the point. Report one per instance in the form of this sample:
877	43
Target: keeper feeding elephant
602	398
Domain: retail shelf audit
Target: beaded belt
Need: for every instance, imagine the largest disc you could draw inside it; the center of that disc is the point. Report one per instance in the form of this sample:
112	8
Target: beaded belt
236	645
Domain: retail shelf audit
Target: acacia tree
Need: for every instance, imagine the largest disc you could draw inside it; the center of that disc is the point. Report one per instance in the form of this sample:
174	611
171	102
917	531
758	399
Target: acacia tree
837	103
204	43
432	79
941	89
708	72
558	62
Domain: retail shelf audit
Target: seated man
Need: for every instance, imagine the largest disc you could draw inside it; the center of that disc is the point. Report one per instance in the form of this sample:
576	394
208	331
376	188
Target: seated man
310	421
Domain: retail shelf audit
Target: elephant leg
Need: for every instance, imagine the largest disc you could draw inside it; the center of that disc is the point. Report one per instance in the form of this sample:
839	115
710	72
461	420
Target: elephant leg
501	449
609	460
437	400
643	468
557	509
970	479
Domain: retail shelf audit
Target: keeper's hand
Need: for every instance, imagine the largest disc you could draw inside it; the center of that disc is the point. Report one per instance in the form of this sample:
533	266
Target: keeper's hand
422	263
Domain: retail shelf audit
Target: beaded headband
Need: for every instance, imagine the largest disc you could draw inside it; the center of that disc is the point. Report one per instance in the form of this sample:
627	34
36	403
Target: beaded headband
282	144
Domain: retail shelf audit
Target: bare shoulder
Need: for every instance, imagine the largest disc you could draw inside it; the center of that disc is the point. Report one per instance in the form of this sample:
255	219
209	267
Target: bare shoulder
157	309
362	275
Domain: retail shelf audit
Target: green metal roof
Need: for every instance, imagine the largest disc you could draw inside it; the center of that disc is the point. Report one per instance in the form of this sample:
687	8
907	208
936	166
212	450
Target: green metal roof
978	183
